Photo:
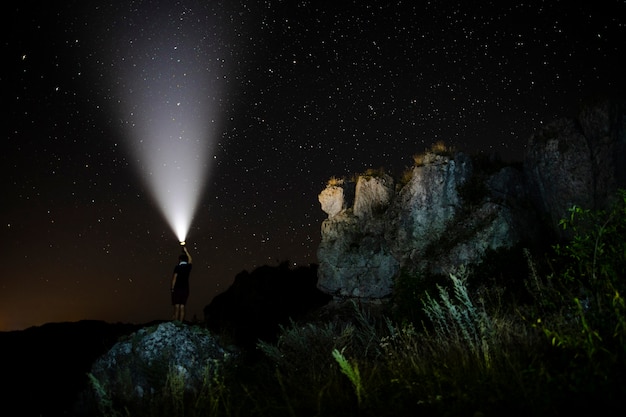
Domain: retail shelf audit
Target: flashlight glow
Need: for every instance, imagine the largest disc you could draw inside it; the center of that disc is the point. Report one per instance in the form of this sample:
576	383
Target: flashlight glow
167	86
174	167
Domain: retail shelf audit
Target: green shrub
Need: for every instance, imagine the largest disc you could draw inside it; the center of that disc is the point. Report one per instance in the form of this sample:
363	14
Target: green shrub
585	322
458	322
596	269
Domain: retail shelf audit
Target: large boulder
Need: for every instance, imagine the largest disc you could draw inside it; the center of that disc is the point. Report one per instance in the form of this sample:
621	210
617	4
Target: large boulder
139	366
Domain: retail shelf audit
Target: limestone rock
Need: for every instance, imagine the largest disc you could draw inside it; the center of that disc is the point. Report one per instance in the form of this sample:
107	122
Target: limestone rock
453	211
364	247
558	165
578	162
425	205
336	197
353	262
373	195
139	365
424	227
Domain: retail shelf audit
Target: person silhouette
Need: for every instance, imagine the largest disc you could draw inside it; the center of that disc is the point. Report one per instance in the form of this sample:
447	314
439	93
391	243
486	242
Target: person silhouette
180	284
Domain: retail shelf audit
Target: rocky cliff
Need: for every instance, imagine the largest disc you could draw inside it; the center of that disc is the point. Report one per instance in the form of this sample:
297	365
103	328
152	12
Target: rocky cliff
454	208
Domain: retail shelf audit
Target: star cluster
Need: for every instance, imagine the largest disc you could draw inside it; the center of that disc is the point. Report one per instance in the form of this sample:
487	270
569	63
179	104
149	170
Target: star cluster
299	92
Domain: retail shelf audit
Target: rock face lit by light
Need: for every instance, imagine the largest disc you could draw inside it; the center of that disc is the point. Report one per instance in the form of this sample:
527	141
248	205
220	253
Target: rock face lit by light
167	82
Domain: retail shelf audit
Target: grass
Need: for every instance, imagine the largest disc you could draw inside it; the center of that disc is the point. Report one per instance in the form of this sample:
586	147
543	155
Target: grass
351	370
335	182
437	148
562	349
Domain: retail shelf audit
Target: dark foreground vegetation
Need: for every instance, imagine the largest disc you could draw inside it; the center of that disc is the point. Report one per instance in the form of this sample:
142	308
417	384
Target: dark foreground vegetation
479	342
553	344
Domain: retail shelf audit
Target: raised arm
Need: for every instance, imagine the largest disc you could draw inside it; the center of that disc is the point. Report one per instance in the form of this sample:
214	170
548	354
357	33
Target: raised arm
187	253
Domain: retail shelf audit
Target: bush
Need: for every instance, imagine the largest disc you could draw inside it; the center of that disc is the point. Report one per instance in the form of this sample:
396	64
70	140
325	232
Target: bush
589	327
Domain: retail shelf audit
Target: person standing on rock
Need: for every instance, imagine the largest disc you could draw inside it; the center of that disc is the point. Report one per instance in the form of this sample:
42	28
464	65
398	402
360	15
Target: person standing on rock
180	284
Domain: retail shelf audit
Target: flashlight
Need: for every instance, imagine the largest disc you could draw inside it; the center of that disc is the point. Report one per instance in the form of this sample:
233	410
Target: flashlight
182	243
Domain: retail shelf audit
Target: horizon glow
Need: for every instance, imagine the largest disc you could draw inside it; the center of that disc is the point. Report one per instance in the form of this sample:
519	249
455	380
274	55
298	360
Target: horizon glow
166	83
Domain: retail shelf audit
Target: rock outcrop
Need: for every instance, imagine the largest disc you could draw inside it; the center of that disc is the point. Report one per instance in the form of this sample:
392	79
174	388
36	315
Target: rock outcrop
456	208
578	161
426	226
139	366
351	245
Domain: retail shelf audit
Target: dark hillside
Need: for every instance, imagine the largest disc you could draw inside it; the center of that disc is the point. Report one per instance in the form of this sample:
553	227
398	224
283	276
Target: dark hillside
257	302
43	368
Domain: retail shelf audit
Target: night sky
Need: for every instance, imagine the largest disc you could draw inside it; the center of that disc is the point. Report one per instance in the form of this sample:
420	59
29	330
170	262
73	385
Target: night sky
272	98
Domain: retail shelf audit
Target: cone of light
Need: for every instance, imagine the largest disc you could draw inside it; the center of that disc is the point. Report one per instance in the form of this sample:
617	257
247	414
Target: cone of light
173	165
166	84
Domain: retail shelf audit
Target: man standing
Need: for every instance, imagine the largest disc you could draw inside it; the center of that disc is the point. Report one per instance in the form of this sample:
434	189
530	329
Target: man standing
180	284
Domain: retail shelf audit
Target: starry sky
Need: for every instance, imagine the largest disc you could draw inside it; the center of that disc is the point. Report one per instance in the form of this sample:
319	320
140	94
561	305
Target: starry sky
272	98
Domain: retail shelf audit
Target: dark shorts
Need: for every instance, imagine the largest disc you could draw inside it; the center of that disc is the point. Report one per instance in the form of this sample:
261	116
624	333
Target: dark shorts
180	296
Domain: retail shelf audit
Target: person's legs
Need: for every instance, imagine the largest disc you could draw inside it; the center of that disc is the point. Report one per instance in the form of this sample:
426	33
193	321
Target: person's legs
177	313
181	312
179	298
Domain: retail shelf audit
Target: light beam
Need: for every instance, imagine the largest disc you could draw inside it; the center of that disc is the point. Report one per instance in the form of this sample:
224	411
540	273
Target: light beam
167	83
